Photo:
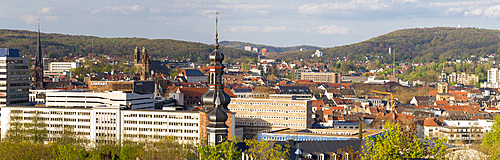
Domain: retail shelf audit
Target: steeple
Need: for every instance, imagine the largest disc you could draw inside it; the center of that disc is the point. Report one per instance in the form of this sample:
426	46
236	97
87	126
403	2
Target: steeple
443	78
146	65
38	78
216	100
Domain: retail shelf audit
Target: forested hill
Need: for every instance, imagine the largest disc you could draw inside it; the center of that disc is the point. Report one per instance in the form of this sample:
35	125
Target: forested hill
241	45
420	44
60	45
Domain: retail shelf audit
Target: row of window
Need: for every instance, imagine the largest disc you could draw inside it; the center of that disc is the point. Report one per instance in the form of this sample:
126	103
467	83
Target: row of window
274	104
267	110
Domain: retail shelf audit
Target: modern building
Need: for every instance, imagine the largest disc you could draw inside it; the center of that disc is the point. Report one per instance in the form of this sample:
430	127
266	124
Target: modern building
320	77
458	132
256	115
102	124
14	78
63	66
140	87
90	99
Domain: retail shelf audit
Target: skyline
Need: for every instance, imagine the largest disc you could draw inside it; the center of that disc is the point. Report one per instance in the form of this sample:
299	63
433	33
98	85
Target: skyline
276	23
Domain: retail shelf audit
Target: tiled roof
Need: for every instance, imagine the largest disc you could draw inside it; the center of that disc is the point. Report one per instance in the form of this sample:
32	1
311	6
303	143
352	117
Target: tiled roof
429	122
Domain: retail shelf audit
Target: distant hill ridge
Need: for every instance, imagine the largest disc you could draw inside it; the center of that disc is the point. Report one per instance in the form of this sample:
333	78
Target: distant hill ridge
241	45
418	44
60	45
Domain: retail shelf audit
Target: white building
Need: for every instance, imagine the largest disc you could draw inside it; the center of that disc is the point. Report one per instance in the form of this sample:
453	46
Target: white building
102	124
63	66
457	131
14	78
86	99
318	53
493	79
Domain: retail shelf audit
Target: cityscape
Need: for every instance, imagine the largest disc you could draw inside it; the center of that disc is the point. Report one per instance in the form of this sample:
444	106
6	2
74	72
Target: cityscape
413	93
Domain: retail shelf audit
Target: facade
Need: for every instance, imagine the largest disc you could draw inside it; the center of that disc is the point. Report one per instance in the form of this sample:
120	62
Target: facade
257	115
63	66
140	87
458	132
463	78
321	77
87	99
493	79
14	78
110	124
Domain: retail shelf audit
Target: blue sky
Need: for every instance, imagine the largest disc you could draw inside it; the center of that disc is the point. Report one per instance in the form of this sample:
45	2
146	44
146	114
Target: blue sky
273	22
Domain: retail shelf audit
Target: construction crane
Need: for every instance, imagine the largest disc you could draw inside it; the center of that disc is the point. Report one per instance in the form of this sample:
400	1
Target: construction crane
386	93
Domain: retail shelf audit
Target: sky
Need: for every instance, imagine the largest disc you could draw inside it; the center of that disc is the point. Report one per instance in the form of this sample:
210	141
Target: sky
323	23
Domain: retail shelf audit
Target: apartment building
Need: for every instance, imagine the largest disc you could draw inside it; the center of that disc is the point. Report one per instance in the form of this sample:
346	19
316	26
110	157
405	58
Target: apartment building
103	124
457	132
256	115
463	78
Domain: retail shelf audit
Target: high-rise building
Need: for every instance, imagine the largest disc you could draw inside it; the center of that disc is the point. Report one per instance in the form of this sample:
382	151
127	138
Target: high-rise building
14	78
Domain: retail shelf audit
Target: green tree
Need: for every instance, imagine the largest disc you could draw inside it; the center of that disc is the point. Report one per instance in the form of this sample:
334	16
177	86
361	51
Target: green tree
400	142
491	142
16	130
226	150
37	128
267	150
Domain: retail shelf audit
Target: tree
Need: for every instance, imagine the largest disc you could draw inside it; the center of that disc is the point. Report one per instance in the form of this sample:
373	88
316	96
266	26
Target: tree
267	150
16	130
37	128
226	150
400	142
360	132
491	142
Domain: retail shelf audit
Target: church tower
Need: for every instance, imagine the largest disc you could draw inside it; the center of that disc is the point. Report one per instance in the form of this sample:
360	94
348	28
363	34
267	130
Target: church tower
146	65
442	86
38	78
137	56
216	100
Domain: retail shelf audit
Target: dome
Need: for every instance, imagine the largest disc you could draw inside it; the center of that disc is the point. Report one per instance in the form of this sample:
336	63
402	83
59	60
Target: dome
209	99
217	56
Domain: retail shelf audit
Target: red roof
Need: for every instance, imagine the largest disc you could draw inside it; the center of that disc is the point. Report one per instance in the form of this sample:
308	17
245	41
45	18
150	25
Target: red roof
429	122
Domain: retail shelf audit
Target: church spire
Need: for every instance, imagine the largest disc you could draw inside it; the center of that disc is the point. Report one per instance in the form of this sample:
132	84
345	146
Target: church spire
216	45
38	79
216	100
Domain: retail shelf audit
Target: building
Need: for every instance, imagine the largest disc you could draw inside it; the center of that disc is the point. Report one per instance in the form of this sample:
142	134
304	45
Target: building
63	66
90	99
321	77
493	79
14	78
38	77
442	93
248	48
318	53
140	87
463	78
104	124
193	75
256	115
458	132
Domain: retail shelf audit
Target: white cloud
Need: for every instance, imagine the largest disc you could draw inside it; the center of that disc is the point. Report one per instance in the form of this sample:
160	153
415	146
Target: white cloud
260	9
29	19
51	18
154	10
243	29
265	29
45	10
475	12
331	29
208	13
313	8
119	9
492	12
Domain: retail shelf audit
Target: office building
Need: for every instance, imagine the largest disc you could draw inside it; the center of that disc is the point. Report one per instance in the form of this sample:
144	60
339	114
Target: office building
14	78
90	99
320	77
256	115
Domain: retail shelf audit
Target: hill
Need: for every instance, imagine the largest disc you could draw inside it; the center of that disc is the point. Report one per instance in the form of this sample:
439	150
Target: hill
60	45
419	45
241	45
